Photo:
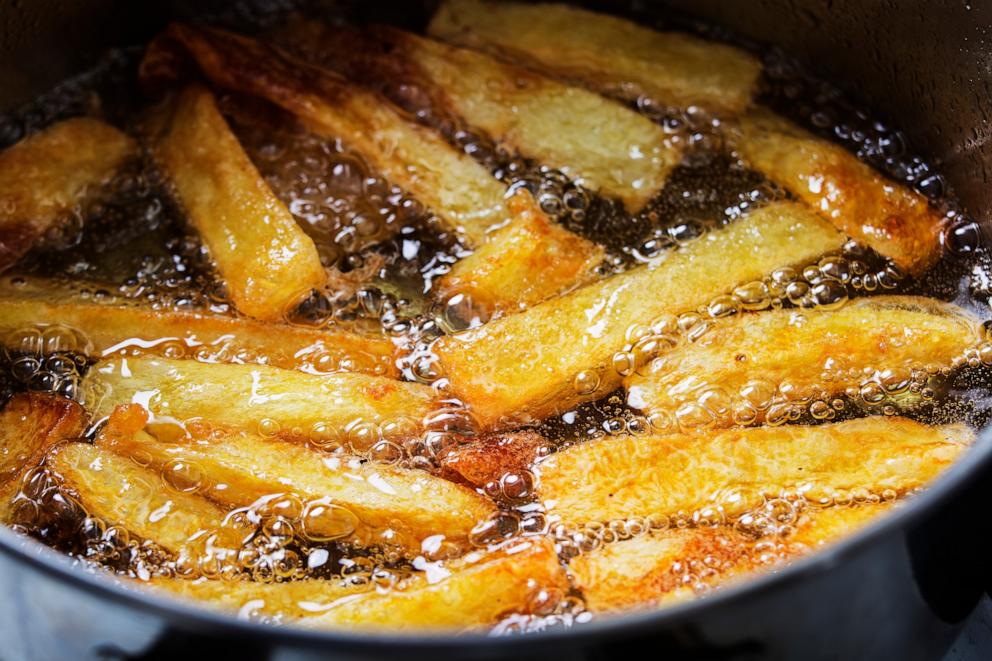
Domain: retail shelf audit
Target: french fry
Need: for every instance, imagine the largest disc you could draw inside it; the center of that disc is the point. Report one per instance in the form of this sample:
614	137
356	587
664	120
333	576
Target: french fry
599	143
267	261
607	53
748	368
499	277
30	424
43	177
650	570
526	366
106	326
388	505
450	183
486	460
119	491
890	218
733	470
257	398
475	591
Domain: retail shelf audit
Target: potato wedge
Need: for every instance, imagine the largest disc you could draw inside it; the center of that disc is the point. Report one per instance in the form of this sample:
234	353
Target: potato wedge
119	491
30	424
384	505
357	408
474	591
637	476
748	369
529	365
890	218
597	142
607	53
45	176
265	259
667	566
106	326
499	277
450	183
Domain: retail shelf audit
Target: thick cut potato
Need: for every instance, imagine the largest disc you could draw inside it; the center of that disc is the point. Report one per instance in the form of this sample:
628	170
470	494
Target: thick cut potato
108	326
890	218
488	459
364	503
119	491
357	408
450	183
607	53
734	470
669	565
472	591
744	370
502	276
545	359
45	176
266	260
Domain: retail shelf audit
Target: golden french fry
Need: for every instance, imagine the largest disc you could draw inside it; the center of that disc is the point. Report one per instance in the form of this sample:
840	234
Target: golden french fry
734	470
607	53
666	566
500	277
261	399
749	369
267	261
890	218
488	459
119	491
38	311
450	183
472	591
43	177
30	424
528	365
364	503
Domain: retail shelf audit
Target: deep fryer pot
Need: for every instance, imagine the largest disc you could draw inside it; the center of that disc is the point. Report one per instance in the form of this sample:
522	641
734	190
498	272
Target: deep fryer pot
899	590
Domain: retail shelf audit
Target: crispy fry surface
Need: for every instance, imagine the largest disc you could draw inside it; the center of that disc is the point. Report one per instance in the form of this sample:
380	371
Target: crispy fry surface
605	52
525	366
636	476
107	326
486	460
386	505
357	408
266	260
894	220
43	177
471	592
745	370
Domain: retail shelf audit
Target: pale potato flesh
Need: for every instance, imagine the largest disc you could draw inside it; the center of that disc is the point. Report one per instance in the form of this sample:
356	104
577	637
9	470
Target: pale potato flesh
606	53
267	262
50	173
734	470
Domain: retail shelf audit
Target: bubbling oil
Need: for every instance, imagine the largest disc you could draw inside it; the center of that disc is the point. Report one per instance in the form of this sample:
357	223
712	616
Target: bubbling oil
383	251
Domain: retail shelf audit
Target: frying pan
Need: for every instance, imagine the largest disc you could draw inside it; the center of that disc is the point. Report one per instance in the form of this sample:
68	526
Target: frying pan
900	589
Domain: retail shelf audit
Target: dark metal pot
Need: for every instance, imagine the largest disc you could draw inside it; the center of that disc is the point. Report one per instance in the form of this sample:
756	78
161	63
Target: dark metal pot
899	590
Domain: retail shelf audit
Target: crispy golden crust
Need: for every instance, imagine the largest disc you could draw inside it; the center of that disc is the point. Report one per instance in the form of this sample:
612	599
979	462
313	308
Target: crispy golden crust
106	326
458	189
637	476
525	366
353	409
607	53
266	260
473	591
388	505
743	370
120	492
499	277
488	459
43	177
669	565
894	220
